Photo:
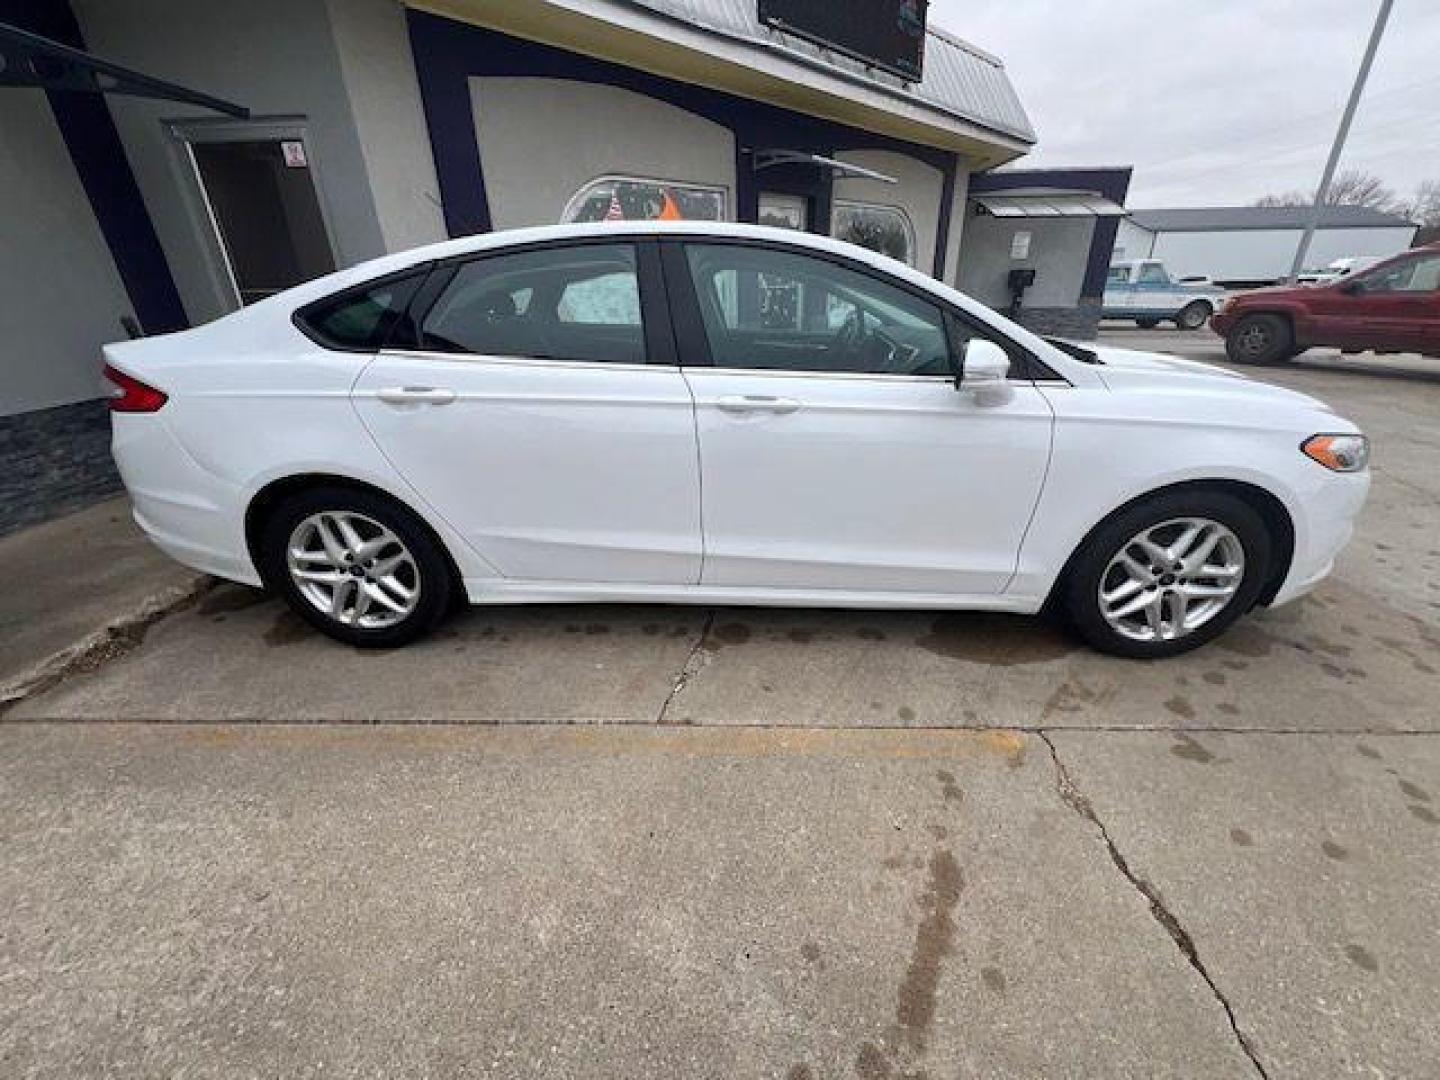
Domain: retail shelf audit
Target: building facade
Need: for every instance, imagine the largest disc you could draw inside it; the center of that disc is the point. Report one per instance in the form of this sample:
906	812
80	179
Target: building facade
1247	246
1038	243
288	138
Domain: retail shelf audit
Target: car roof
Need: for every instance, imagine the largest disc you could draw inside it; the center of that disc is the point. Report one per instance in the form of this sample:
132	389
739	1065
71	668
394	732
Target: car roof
588	230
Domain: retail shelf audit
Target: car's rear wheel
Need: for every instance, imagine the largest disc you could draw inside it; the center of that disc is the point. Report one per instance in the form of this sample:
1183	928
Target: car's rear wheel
1147	324
1169	574
1260	339
1193	315
355	565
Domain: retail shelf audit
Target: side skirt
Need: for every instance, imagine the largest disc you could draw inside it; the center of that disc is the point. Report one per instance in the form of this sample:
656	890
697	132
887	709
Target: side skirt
492	591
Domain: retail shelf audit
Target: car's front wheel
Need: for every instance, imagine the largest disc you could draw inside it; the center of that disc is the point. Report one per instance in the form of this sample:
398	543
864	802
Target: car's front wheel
1260	339
1169	574
355	565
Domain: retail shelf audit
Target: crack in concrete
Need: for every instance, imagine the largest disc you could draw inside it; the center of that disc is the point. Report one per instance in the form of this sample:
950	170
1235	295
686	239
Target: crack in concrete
103	646
1076	799
689	669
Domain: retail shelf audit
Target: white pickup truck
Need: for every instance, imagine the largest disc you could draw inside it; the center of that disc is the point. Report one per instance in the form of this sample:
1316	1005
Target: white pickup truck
1143	290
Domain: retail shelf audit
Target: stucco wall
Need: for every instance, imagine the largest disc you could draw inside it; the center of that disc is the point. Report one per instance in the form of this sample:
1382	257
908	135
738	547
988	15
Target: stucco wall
276	57
63	298
917	193
542	139
374	50
1059	248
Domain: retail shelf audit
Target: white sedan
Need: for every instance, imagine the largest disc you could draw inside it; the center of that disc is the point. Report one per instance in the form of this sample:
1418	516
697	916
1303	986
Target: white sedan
715	414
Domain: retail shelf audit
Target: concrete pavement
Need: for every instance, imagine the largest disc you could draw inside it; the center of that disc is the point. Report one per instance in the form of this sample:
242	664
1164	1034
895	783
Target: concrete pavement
573	902
747	842
1305	873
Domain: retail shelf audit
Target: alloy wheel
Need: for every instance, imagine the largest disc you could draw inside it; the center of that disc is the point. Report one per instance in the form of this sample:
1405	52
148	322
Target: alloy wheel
353	569
1171	579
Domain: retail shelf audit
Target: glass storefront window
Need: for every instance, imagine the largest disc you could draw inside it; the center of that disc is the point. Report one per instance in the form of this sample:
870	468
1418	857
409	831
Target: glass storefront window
886	229
618	198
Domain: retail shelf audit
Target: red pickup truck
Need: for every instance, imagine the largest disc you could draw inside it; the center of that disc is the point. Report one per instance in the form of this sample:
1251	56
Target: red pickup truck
1392	307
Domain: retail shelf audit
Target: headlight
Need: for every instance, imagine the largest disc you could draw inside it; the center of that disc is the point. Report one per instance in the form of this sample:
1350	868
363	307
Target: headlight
1340	453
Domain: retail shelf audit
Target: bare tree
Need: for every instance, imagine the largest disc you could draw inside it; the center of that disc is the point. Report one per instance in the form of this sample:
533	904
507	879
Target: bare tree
1424	209
1353	187
1284	198
1356	188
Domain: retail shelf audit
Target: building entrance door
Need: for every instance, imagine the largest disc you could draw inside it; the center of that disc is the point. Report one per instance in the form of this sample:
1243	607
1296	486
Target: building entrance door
260	193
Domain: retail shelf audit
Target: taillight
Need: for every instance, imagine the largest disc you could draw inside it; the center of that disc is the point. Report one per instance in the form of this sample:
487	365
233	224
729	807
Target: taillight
132	395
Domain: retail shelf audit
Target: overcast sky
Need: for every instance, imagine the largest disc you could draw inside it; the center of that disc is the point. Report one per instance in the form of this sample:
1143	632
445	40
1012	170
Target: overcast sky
1218	102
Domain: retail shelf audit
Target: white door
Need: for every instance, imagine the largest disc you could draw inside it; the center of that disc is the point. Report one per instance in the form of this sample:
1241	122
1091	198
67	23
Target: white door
835	451
530	420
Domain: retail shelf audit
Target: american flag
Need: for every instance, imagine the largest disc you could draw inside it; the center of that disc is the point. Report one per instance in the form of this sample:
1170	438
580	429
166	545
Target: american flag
613	211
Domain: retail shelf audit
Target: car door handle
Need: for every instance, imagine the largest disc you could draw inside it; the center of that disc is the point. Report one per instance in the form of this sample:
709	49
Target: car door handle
416	395
752	403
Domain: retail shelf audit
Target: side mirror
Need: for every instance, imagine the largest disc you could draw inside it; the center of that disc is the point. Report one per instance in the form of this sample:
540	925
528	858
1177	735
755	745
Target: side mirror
985	370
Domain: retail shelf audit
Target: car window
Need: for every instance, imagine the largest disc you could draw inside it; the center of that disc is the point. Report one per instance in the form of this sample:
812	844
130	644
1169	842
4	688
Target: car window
1153	274
359	319
579	303
1421	274
1426	277
1119	275
779	310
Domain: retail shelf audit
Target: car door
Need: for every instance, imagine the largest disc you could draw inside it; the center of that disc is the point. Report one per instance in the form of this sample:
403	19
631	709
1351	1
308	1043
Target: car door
533	407
1400	304
1339	315
1119	293
1153	292
835	451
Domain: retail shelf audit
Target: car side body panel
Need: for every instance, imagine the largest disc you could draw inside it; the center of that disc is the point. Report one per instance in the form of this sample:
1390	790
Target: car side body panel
1141	434
238	420
1147	291
253	401
1341	314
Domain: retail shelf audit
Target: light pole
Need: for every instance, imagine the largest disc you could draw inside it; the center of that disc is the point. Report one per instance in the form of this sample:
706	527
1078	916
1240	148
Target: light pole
1340	136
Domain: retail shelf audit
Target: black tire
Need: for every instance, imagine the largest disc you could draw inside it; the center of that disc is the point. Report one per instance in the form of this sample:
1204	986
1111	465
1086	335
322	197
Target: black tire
1080	591
1147	324
431	569
1193	315
1260	339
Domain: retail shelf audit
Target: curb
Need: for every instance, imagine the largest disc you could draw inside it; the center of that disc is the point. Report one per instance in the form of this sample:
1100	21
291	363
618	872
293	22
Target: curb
99	647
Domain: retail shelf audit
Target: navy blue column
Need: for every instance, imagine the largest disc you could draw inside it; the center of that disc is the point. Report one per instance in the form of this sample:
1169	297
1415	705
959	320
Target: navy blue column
104	171
942	229
444	53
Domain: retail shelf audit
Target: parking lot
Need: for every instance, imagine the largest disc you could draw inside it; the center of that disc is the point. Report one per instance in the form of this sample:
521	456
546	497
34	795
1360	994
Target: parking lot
750	842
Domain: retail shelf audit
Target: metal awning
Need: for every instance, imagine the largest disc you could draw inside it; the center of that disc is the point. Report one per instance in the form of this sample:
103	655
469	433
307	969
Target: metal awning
764	159
1046	202
28	59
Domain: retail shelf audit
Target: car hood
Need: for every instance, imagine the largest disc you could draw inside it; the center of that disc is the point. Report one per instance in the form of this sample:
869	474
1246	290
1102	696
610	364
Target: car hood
1125	369
1285	292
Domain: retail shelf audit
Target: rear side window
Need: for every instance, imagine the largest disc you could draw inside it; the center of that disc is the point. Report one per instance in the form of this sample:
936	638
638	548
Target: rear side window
359	319
574	303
